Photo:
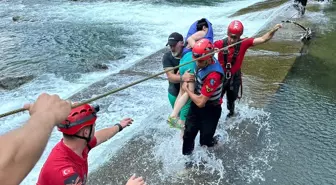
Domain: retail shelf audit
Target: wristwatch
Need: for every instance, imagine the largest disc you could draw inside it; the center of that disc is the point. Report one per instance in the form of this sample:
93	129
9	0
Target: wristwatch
120	127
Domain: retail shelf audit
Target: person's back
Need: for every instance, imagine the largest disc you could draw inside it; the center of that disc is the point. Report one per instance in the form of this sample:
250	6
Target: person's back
68	161
64	166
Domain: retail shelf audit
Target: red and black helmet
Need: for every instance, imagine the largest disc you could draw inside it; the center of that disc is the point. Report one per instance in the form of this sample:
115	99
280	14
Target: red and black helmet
236	28
201	48
79	117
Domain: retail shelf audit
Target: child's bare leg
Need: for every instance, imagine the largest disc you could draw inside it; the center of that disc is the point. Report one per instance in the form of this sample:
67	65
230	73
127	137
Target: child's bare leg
180	102
191	87
173	114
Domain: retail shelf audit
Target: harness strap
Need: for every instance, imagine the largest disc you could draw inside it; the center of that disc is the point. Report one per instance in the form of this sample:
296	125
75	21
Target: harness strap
228	65
241	87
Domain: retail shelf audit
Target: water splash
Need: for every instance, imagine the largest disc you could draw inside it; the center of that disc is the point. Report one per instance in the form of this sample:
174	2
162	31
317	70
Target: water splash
217	161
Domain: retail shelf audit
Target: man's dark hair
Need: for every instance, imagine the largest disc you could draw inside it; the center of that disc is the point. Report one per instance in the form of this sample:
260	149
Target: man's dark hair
200	23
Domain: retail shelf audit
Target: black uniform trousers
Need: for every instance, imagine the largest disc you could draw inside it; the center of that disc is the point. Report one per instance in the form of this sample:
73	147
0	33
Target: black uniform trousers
231	88
204	120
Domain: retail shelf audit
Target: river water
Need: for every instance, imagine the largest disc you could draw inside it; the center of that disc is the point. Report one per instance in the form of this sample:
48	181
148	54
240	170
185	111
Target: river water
60	46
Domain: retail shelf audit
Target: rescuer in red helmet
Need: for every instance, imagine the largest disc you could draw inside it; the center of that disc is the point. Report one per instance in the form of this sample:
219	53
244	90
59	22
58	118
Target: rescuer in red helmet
68	161
205	108
232	59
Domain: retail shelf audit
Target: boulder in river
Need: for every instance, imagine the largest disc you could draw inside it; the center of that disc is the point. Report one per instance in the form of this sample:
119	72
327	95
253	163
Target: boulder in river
12	82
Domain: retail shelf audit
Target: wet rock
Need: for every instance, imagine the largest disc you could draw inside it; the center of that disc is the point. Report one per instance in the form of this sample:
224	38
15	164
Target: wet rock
12	82
264	5
100	66
20	19
120	57
16	18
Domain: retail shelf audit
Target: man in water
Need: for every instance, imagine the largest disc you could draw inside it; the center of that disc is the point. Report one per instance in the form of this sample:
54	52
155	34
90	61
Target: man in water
301	9
170	60
232	59
199	29
68	161
205	108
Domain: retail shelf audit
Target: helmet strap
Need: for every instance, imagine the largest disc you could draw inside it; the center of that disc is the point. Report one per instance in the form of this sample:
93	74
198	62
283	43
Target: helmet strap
208	62
87	139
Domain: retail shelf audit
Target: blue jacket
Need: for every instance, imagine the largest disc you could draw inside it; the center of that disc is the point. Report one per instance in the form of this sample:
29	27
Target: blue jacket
193	29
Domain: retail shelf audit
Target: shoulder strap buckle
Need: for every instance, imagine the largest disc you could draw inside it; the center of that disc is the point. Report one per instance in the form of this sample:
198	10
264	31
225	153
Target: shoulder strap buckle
228	75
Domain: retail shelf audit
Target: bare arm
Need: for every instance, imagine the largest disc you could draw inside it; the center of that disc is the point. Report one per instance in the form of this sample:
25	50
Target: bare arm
199	100
173	78
176	78
211	83
105	134
22	147
268	36
195	37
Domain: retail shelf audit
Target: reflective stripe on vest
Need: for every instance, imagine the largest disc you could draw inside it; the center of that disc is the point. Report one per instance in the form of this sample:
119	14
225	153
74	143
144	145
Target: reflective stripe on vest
201	75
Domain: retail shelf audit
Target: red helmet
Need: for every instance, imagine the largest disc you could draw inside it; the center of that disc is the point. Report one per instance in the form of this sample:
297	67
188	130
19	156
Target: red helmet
236	28
78	118
201	48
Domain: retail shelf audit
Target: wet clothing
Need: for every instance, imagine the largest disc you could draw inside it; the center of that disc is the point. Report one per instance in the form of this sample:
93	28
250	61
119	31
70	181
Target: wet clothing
231	88
303	2
233	80
172	99
209	84
204	120
184	110
302	9
191	66
174	88
64	166
168	60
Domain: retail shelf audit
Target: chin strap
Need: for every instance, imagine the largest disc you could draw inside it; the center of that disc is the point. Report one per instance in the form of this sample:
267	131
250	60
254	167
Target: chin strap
87	139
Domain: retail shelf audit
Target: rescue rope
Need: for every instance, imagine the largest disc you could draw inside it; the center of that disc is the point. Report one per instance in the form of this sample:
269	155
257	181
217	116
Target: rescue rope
289	21
129	85
307	31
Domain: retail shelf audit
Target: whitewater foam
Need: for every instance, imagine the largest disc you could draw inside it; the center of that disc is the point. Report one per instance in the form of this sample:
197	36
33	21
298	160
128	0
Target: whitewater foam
151	23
